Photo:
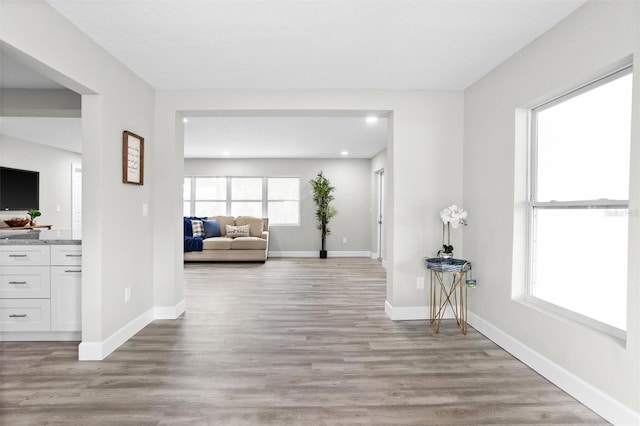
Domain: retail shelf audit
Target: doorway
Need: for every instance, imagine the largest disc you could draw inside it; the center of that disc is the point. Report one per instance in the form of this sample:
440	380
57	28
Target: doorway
380	215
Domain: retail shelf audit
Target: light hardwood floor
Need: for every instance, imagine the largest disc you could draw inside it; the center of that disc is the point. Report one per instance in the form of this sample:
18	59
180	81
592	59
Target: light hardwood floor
287	342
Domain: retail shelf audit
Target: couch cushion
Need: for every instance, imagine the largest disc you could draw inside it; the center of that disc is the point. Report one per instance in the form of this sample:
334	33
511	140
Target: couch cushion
217	243
237	231
255	224
248	243
224	221
211	228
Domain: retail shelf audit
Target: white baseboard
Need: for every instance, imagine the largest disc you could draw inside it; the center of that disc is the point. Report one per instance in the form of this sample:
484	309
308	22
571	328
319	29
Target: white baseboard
316	253
169	312
411	313
97	351
607	407
406	313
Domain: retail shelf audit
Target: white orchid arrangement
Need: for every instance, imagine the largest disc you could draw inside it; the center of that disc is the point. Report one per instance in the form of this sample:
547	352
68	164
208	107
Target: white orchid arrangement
452	217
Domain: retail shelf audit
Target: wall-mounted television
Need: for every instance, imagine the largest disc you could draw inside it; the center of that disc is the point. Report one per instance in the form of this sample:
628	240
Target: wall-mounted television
19	189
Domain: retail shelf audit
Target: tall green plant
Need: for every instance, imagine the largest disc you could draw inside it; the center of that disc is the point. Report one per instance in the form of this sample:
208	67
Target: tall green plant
322	190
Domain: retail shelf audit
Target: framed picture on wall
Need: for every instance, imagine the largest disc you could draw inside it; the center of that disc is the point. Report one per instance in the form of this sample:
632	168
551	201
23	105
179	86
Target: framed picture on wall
132	158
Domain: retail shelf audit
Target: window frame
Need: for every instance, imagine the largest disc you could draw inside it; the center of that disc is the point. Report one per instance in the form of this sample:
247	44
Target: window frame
268	198
229	195
533	204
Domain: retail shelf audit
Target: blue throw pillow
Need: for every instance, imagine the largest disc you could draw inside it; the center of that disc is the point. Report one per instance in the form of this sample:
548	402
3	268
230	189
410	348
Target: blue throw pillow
211	228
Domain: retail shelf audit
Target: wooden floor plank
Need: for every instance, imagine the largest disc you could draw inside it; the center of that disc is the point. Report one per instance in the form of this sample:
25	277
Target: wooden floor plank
287	342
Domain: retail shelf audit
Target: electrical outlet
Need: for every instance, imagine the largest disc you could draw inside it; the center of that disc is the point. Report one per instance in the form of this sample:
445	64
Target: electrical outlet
420	283
344	240
127	294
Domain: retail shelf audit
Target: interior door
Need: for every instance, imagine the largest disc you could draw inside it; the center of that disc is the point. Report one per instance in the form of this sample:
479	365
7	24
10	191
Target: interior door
381	239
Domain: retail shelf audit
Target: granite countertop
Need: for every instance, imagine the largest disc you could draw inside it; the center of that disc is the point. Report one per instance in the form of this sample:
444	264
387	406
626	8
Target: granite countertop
37	237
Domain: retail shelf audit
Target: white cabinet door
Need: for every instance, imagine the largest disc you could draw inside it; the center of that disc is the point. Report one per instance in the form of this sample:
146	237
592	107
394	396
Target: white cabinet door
66	298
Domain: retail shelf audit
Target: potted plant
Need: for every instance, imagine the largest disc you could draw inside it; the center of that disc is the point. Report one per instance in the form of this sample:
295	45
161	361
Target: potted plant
452	217
322	190
33	213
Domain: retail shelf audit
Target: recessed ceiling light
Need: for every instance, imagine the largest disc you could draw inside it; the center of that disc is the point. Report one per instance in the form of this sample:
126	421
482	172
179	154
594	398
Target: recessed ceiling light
185	120
344	152
372	119
226	153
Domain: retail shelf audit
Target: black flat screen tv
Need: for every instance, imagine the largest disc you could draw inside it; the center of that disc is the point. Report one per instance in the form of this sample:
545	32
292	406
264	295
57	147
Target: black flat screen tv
19	189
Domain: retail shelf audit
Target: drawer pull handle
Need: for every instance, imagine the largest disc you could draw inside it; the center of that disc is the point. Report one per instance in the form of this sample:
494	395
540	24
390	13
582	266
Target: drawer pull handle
73	255
72	270
17	316
17	255
17	282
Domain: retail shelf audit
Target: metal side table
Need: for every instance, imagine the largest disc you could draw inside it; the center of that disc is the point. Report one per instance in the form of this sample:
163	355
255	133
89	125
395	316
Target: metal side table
448	288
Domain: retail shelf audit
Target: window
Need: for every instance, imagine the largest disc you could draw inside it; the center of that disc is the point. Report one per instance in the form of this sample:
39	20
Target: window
283	200
578	205
246	196
210	196
277	198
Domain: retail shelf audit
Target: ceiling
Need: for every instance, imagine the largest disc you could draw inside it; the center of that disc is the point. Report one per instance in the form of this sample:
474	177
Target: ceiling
294	44
313	44
284	136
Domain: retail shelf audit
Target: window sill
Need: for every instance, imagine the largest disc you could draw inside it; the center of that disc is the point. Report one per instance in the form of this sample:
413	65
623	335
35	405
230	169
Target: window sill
549	308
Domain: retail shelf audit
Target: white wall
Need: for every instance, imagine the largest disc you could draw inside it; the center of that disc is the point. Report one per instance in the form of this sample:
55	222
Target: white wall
54	166
423	171
117	239
39	103
350	177
602	371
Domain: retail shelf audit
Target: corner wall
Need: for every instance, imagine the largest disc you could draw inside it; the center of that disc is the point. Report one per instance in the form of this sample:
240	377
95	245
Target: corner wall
117	239
599	370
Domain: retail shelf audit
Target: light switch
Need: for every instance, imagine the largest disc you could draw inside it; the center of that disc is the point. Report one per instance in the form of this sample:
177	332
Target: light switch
145	209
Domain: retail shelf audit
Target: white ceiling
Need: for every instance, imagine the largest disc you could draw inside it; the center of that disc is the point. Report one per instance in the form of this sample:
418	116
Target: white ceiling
296	44
284	136
313	44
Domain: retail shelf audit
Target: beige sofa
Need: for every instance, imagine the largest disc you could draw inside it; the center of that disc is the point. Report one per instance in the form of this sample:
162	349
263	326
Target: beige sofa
224	248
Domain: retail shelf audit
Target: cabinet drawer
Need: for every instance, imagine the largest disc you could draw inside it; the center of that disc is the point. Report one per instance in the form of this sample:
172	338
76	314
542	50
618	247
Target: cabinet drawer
25	315
24	282
24	255
66	255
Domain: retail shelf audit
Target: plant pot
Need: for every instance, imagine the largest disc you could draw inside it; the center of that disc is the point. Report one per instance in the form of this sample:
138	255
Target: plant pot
323	254
444	255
